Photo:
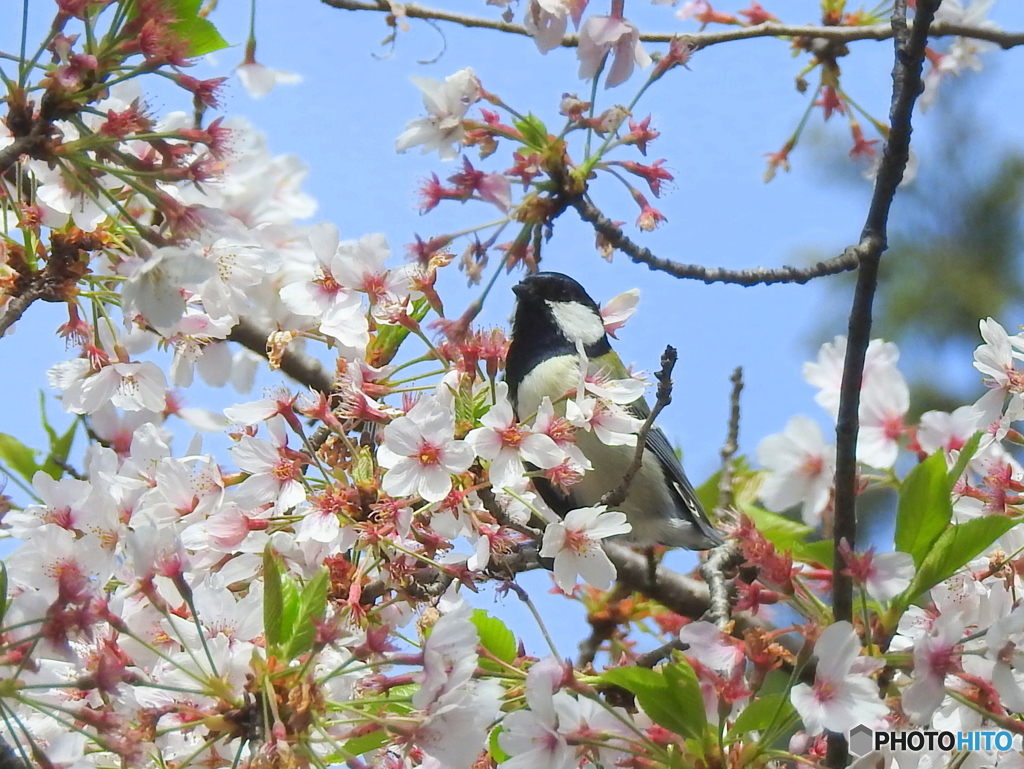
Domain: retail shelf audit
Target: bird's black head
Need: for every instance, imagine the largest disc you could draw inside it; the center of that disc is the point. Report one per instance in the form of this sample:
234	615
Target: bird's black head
542	287
553	313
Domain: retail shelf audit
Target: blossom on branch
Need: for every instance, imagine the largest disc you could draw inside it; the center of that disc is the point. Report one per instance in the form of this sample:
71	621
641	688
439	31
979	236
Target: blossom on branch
575	544
420	454
447	104
844	694
604	35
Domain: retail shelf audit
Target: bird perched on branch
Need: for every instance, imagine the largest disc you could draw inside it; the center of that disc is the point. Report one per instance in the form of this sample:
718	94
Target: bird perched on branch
554	319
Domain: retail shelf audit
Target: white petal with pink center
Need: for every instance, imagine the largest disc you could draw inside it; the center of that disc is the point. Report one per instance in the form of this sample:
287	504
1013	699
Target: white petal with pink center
575	544
843	696
420	453
801	468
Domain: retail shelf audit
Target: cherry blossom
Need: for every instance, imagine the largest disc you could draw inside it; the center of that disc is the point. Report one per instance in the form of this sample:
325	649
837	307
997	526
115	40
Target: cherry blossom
132	386
997	360
827	372
617	310
885	400
259	80
547	20
602	35
801	468
575	544
323	295
843	695
274	470
447	104
154	289
506	444
419	453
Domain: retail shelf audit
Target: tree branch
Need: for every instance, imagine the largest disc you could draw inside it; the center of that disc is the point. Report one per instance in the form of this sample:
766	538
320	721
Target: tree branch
698	39
17	305
617	496
303	368
845	262
907	86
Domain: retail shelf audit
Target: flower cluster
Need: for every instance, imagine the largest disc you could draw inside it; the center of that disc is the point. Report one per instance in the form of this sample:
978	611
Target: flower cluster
305	599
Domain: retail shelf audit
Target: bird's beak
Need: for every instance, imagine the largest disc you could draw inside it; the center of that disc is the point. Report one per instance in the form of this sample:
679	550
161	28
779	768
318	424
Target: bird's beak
521	290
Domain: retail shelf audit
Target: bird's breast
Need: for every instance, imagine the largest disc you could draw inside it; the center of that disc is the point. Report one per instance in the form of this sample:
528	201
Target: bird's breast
552	378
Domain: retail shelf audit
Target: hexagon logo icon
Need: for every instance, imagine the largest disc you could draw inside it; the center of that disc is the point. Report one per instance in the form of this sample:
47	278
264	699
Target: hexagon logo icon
861	740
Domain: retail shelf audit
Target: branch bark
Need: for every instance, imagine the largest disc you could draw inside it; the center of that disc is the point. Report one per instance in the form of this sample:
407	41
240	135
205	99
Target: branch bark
845	262
907	86
699	39
301	367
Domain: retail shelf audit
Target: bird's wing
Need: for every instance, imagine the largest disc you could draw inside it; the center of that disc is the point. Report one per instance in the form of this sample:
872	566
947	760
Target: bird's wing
682	489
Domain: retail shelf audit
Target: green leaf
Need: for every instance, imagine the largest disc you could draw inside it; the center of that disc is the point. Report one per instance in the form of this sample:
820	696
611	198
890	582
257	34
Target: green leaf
201	34
952	550
290	604
60	448
312	606
925	507
18	457
781	531
534	132
273	599
364	743
494	748
966	455
495	637
670	697
822	551
707	492
762	713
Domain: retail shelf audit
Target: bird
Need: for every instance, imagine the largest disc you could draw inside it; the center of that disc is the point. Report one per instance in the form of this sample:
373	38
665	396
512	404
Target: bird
554	315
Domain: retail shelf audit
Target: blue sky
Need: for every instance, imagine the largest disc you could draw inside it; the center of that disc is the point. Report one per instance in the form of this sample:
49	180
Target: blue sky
717	120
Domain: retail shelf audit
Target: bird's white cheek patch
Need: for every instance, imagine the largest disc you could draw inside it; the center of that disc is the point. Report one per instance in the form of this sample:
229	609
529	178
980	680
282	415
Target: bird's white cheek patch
578	322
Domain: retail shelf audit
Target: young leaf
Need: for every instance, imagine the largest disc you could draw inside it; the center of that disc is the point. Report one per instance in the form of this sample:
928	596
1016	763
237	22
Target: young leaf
925	507
290	605
312	606
60	447
494	748
364	743
534	132
201	34
17	456
953	549
273	599
671	697
966	455
495	637
761	713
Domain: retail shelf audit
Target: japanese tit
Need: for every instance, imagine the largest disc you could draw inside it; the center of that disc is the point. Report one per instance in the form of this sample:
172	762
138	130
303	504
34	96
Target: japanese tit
553	314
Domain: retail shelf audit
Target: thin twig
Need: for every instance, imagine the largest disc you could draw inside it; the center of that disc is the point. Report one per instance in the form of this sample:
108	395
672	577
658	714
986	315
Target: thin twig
732	442
603	626
755	276
617	496
654	656
724	558
838	34
907	86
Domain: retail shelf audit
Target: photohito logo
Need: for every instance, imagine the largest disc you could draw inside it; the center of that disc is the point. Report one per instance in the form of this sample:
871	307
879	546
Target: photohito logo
862	740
